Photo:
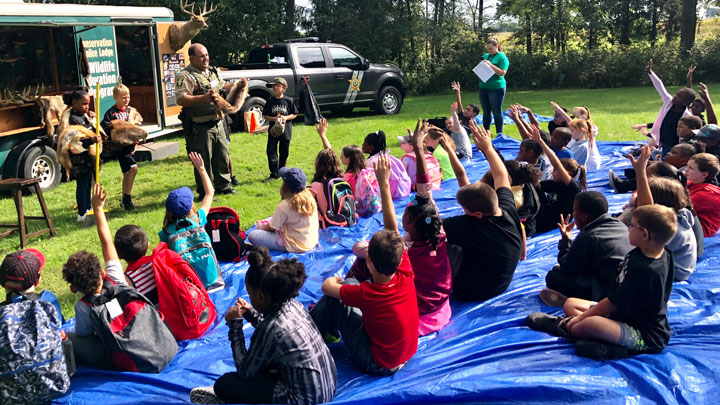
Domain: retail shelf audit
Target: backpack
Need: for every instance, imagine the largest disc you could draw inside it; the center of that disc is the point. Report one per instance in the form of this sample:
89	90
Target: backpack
194	245
367	193
227	238
400	184
182	299
340	204
32	363
433	169
130	329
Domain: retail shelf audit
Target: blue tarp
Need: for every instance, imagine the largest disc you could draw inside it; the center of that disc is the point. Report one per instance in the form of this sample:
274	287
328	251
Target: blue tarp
508	121
485	353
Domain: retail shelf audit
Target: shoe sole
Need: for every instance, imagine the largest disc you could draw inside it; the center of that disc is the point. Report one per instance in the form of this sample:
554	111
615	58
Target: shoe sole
612	181
552	298
600	351
204	397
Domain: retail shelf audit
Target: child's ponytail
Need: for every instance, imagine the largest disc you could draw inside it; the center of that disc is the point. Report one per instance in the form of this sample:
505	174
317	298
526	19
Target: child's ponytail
377	141
426	219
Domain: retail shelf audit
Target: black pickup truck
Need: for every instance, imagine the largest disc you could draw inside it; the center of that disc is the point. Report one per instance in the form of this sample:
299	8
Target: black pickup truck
340	78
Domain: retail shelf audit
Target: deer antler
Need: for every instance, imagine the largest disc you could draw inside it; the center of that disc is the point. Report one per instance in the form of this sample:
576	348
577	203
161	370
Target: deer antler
205	11
183	6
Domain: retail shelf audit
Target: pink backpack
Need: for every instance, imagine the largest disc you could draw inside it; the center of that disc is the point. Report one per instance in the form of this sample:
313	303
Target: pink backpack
400	185
433	169
367	193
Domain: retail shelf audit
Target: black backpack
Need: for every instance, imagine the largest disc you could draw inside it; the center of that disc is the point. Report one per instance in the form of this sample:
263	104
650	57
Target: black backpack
340	204
226	236
131	329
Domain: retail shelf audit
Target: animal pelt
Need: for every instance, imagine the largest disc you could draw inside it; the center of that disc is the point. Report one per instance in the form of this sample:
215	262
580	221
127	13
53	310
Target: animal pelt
135	117
70	142
124	133
50	106
234	100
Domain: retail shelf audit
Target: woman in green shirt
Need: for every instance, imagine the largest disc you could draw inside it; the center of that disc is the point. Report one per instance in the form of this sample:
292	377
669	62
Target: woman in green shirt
492	92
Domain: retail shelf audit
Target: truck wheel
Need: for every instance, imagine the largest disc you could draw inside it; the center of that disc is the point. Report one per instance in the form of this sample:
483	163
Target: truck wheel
41	162
389	101
254	104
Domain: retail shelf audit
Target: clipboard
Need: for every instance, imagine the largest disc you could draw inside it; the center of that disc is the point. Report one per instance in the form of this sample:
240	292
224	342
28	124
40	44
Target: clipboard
483	71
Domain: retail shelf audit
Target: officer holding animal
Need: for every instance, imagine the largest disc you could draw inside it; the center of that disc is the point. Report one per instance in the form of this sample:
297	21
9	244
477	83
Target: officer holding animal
202	122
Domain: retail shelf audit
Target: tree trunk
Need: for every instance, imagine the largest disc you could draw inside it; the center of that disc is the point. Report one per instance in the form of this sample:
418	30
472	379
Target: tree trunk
289	28
688	20
625	23
413	54
481	10
653	22
528	35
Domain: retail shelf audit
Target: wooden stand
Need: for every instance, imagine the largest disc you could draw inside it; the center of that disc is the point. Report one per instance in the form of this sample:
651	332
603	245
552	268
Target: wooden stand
16	188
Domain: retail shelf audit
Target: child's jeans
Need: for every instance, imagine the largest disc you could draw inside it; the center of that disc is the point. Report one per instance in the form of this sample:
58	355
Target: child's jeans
271	240
331	314
83	179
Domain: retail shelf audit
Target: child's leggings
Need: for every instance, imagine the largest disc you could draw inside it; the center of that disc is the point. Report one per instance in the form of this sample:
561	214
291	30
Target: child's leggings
271	240
83	179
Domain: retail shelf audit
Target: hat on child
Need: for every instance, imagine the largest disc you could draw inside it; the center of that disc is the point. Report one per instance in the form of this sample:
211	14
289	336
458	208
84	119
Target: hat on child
404	139
277	80
709	131
180	201
23	267
294	178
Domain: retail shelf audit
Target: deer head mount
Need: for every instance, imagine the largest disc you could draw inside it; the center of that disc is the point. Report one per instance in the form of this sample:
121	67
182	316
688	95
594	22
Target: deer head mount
181	32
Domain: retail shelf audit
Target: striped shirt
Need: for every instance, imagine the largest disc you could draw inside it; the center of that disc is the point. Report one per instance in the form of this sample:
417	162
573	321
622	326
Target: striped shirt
287	340
142	275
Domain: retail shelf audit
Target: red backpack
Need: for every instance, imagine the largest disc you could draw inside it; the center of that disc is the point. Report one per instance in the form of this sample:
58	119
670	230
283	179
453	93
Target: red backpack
226	235
182	298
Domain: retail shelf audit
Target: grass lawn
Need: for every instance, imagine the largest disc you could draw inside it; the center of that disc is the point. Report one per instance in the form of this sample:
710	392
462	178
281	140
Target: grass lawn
613	110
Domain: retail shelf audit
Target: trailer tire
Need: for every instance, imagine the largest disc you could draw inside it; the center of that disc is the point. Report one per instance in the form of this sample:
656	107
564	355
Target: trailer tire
389	101
255	104
41	161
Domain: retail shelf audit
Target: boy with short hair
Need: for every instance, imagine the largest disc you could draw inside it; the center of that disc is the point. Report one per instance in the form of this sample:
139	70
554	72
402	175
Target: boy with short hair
469	113
279	111
125	156
131	243
531	153
378	319
20	274
687	127
633	317
702	169
489	232
680	155
560	137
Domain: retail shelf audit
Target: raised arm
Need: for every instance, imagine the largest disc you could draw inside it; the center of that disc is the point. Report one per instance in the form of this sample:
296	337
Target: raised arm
711	117
497	167
197	161
321	128
519	121
457	167
382	172
456	86
531	116
98	203
690	72
659	86
565	177
644	195
565	116
453	114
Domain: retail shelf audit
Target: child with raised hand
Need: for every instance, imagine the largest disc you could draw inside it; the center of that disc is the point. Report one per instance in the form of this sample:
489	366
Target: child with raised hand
184	229
561	190
664	129
489	232
287	361
377	318
441	152
374	145
632	319
584	147
294	224
705	95
409	161
702	169
469	113
669	193
327	167
458	134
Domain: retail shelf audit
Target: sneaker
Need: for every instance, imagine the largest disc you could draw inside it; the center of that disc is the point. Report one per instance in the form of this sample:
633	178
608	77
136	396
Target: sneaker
600	350
87	220
271	178
229	191
127	204
216	286
543	322
204	395
234	181
552	298
618	185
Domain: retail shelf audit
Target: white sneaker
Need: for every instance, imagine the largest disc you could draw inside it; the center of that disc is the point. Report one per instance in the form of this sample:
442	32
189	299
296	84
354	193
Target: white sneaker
204	395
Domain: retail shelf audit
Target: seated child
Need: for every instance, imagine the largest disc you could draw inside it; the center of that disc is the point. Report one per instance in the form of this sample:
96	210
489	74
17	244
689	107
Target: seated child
490	228
327	167
558	195
709	135
559	139
584	147
409	161
354	160
531	152
469	113
287	361
632	319
586	266
525	183
184	229
378	319
432	140
126	155
558	121
294	224
131	244
664	129
687	127
20	274
705	196
375	144
463	147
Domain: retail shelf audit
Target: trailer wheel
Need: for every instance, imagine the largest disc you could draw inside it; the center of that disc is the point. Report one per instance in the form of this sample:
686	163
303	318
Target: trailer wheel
254	104
41	161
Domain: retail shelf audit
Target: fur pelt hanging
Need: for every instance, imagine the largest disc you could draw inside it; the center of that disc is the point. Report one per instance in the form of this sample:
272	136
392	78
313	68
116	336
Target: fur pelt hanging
123	133
50	106
234	100
70	142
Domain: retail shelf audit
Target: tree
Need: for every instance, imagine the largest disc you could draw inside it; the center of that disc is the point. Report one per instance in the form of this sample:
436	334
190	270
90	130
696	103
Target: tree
688	22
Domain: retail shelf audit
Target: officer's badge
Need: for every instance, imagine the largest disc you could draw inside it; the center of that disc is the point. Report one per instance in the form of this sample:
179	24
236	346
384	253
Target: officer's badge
179	82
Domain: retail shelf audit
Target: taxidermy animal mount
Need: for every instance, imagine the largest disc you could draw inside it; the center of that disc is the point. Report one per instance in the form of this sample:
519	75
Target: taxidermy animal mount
181	32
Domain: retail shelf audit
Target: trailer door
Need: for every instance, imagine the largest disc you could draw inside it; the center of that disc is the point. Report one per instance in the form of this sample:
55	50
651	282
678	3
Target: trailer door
170	63
101	56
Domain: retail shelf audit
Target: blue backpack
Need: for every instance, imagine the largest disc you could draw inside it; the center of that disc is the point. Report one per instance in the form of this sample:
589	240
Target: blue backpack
32	363
191	241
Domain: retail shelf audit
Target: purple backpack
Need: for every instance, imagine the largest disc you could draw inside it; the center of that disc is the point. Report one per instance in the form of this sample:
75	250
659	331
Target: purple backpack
400	185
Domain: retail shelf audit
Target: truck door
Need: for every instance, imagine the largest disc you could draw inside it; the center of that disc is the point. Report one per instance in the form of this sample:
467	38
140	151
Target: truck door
169	63
349	76
310	61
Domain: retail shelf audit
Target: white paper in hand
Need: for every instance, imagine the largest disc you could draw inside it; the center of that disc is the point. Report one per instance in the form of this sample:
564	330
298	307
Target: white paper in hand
483	71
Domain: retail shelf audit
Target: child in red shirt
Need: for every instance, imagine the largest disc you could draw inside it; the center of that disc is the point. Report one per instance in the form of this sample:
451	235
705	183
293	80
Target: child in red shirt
377	319
702	169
